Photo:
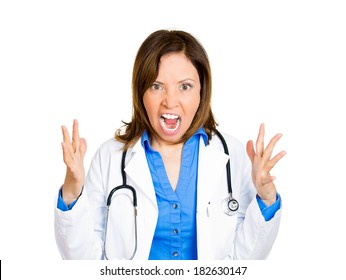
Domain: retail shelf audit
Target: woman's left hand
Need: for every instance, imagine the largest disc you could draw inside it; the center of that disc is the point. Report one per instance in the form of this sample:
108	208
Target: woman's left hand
262	164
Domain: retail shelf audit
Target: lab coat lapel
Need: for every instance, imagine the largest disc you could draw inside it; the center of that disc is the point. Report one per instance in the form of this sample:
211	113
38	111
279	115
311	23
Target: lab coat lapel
212	162
138	171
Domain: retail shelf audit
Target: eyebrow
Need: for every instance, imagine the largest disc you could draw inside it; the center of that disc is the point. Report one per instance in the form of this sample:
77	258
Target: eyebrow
187	79
179	82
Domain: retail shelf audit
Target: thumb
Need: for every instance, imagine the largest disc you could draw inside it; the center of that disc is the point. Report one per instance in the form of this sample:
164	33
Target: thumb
82	147
250	150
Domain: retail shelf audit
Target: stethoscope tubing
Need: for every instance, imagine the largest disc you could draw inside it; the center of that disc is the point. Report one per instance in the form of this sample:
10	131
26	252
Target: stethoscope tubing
134	202
231	203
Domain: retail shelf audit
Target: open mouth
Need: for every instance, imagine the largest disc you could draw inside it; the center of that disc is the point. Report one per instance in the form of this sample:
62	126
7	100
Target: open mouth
170	123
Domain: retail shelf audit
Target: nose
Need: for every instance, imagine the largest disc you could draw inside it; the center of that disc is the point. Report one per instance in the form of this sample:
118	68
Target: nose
170	99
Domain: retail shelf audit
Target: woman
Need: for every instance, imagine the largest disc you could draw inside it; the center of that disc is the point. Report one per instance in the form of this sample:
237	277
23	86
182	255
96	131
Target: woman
177	167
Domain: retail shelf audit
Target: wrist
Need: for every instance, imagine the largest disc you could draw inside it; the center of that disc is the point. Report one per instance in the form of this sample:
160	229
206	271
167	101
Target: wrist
268	201
69	194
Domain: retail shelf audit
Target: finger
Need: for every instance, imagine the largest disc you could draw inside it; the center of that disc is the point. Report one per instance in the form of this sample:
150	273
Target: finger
275	160
250	150
75	136
67	153
66	135
260	141
67	145
269	149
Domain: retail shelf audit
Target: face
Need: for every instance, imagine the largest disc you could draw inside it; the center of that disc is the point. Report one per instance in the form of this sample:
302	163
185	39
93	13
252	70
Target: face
173	99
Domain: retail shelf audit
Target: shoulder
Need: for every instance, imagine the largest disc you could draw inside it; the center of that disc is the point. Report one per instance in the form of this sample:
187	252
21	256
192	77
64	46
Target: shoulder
232	142
108	148
235	147
111	145
108	152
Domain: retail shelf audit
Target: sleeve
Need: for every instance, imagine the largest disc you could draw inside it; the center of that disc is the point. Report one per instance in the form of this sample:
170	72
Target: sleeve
61	203
268	212
79	232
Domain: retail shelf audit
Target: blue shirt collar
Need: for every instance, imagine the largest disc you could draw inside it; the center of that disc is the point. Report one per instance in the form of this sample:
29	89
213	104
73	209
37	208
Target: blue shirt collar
200	132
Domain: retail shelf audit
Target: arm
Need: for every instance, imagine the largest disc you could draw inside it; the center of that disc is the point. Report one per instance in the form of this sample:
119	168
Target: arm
256	234
78	231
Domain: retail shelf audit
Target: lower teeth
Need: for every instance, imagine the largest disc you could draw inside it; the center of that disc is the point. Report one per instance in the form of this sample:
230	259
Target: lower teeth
171	127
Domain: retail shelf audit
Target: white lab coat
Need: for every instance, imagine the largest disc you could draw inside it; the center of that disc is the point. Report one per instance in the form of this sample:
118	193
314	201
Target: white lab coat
80	232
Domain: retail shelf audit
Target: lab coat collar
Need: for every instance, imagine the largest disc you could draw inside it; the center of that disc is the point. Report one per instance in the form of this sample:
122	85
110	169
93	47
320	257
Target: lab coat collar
212	162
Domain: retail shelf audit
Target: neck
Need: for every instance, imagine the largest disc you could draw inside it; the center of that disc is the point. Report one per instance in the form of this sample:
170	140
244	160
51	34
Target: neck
166	148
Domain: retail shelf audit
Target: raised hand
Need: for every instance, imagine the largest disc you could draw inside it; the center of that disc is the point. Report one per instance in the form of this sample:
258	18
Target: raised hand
73	154
262	164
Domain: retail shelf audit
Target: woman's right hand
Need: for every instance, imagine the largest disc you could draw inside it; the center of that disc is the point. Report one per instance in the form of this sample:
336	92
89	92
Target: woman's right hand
73	154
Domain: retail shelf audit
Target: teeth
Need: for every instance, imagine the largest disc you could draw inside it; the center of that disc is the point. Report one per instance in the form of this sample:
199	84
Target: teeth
169	128
169	116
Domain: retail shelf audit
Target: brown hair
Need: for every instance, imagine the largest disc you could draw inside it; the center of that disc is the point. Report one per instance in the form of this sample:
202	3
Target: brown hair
145	72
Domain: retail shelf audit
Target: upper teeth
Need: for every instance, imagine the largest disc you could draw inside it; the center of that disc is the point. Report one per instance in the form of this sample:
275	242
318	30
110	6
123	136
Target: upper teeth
169	116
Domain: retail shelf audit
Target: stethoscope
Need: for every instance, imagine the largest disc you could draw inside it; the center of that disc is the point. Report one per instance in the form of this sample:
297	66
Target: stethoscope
229	205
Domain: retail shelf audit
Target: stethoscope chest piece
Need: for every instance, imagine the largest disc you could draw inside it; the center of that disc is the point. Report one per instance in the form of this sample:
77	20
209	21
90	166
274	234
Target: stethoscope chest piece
230	205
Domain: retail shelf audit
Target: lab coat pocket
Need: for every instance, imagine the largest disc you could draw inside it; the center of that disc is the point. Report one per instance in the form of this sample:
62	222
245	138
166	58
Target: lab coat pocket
221	228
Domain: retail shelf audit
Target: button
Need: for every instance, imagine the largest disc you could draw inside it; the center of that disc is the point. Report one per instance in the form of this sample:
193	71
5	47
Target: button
175	231
175	206
175	254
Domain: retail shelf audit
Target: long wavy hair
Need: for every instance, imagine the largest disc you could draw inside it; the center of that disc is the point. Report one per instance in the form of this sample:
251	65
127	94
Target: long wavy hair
145	72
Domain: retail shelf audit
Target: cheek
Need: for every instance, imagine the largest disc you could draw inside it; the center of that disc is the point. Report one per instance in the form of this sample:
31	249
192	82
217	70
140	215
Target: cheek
145	106
195	105
146	102
150	105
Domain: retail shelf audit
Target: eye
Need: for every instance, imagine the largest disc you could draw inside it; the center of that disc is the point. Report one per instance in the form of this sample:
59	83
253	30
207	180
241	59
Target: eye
185	86
155	86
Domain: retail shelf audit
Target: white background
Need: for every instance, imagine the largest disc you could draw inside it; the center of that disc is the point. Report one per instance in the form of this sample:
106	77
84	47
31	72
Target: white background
278	62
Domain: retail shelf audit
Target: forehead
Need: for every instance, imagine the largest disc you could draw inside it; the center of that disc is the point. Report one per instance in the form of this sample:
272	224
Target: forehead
177	65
